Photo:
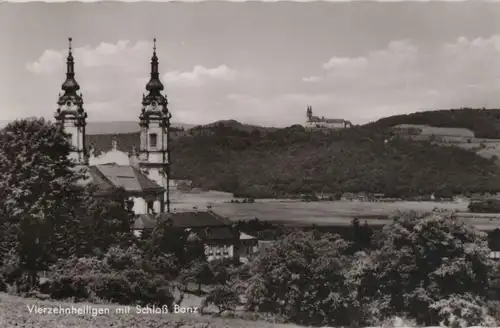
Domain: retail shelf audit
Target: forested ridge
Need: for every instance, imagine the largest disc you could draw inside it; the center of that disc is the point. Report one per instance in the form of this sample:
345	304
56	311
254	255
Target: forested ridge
485	123
291	161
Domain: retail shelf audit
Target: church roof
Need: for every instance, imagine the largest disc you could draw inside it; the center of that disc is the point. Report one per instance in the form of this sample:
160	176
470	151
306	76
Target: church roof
128	177
110	177
125	142
327	120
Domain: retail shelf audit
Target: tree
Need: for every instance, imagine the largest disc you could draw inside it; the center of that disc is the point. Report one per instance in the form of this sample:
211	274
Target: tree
105	222
197	272
424	258
302	279
361	236
223	297
38	192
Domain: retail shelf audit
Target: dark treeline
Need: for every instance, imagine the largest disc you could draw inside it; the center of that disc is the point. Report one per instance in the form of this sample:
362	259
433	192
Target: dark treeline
483	122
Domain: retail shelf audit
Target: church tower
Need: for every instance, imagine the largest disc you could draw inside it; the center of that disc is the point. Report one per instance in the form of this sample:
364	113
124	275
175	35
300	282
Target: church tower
154	121
70	115
309	113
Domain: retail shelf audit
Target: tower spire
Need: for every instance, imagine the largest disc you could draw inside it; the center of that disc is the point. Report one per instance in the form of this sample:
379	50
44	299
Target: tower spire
70	86
154	85
70	115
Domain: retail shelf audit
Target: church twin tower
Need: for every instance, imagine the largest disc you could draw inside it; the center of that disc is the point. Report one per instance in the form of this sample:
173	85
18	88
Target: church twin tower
154	122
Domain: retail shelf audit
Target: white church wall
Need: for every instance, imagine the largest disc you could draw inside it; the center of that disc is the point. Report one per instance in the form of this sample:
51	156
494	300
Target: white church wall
112	156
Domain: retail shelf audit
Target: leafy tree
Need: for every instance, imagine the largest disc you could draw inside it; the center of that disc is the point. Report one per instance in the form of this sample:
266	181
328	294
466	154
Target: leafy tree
421	259
361	236
302	278
38	191
197	272
166	239
224	297
105	222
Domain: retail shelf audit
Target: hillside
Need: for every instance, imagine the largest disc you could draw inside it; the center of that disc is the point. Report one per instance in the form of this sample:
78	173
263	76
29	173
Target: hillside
485	123
292	161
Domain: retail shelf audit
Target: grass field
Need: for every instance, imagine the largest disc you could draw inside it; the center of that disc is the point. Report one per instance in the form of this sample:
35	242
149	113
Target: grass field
338	213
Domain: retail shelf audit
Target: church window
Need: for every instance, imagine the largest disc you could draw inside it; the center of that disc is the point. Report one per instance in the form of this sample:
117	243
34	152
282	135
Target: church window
153	140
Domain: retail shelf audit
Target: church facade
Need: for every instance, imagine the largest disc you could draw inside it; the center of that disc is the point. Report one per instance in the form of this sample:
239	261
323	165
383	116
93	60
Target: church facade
140	165
316	122
143	172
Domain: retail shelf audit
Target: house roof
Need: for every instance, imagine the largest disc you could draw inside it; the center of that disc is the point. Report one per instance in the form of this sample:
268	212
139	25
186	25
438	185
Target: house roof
128	177
197	219
217	233
245	236
190	219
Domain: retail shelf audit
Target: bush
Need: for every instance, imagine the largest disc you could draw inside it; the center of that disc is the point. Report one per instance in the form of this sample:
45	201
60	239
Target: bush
462	311
223	297
118	277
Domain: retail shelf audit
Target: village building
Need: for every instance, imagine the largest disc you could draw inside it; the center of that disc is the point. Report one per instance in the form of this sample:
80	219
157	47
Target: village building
139	164
316	122
218	234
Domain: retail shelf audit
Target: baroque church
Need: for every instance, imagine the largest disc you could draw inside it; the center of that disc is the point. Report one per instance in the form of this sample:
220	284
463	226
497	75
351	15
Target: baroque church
316	122
142	173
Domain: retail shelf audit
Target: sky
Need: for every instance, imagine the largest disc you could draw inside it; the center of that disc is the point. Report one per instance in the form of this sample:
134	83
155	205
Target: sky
258	63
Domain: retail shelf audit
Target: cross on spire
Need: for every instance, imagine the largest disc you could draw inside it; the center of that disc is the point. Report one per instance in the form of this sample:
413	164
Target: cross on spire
69	41
154	45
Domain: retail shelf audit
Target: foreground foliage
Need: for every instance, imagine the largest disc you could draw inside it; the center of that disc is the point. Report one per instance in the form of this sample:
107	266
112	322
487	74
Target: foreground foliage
433	269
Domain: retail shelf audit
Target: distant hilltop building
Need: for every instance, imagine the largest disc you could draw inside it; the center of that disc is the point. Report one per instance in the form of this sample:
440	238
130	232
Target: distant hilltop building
316	122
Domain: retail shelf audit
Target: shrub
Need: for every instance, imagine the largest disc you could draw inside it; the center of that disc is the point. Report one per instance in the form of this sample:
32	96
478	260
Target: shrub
118	277
223	297
462	311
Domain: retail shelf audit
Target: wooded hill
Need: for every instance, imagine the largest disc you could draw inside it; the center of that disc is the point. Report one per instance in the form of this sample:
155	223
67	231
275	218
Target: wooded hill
485	123
292	161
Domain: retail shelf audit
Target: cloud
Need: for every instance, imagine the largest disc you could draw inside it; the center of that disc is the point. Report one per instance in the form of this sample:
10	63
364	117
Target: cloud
112	77
405	78
400	77
123	55
49	62
200	75
311	79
